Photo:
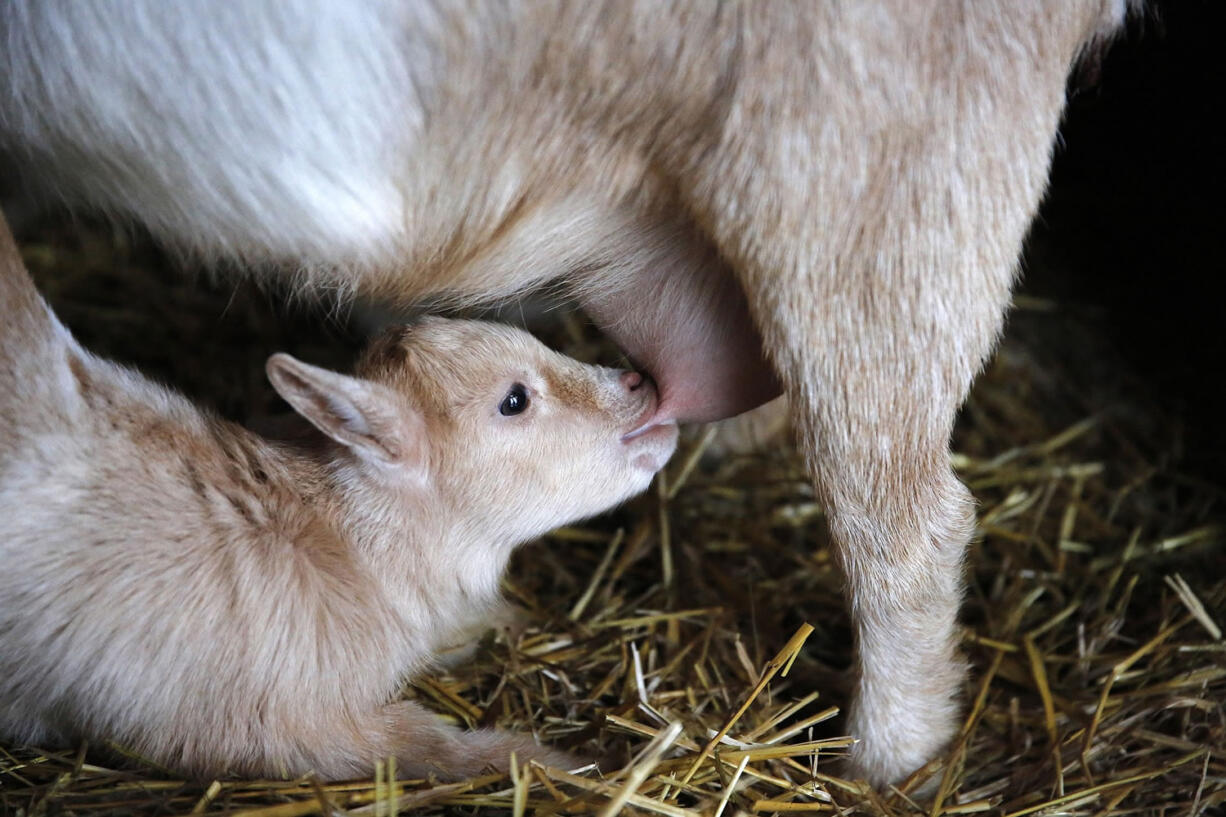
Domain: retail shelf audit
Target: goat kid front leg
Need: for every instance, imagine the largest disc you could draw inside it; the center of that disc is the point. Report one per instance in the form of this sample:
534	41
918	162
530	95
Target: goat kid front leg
425	746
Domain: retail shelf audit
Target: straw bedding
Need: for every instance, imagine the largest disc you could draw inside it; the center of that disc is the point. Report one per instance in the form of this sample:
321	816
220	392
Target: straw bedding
710	608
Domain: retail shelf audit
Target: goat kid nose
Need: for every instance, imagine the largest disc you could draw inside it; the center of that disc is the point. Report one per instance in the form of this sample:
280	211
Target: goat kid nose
631	380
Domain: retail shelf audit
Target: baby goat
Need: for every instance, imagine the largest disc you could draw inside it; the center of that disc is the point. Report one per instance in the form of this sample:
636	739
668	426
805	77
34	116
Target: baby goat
225	605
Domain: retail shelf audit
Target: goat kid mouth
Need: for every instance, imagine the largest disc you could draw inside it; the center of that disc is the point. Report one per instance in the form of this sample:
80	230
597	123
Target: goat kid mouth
647	423
654	415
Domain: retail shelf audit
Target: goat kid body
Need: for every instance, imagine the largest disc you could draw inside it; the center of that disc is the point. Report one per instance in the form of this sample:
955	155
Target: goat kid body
840	189
221	604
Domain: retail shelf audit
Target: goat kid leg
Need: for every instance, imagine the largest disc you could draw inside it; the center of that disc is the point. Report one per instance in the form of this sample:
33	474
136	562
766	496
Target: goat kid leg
424	745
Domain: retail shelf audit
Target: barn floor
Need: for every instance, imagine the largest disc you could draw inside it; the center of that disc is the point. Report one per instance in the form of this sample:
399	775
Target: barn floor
1097	586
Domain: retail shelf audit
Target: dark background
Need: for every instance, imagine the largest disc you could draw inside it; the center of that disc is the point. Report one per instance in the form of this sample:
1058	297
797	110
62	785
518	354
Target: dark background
1129	239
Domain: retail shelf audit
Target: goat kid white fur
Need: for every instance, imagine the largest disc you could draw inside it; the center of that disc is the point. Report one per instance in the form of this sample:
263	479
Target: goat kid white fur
225	605
824	196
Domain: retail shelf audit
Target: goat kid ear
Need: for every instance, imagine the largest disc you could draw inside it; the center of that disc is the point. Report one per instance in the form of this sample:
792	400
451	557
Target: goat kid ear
359	414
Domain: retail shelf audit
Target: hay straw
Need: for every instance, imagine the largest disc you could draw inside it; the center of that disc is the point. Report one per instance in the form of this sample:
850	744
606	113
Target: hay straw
666	639
781	662
1194	605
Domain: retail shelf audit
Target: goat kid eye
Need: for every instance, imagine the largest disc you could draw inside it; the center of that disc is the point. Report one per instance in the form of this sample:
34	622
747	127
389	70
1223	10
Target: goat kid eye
515	402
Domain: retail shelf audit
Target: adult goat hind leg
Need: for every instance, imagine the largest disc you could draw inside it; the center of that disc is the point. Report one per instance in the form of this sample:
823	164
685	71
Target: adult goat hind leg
892	191
875	383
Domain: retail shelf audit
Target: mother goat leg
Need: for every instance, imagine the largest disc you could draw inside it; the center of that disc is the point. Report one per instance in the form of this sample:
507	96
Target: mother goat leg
875	380
891	199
